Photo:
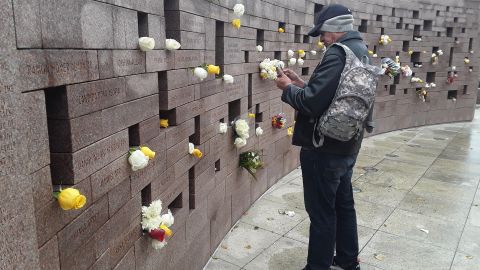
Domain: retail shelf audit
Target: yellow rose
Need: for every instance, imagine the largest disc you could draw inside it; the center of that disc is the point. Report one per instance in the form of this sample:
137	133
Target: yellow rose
320	45
197	153
71	198
236	23
147	152
290	131
164	123
370	52
281	30
263	75
211	69
410	52
251	115
168	232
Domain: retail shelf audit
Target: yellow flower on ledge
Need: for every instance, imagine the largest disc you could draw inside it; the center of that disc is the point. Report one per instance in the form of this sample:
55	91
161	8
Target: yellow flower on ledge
251	115
410	52
147	152
321	45
290	131
164	123
370	52
194	151
70	198
281	30
236	23
212	69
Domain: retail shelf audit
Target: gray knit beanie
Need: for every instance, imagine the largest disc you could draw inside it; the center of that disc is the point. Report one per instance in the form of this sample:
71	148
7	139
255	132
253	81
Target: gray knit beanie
342	23
332	18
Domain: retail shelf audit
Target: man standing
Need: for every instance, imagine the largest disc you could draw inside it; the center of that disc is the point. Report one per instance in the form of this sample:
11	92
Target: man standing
327	170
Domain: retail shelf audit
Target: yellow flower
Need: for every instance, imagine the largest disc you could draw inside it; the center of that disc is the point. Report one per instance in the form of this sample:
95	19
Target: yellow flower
290	131
168	232
301	53
263	75
164	123
147	152
71	198
320	45
236	23
281	30
410	52
251	115
211	69
197	153
370	52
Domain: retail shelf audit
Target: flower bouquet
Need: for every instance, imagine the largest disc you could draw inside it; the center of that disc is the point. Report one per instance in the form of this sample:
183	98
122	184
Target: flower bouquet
389	67
268	68
384	40
251	161
279	121
156	224
241	129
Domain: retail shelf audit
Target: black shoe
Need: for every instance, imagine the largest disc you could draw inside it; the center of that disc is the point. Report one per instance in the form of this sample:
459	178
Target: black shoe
349	266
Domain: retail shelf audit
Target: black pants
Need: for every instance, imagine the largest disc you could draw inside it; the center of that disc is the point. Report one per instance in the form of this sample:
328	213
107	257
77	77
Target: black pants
327	183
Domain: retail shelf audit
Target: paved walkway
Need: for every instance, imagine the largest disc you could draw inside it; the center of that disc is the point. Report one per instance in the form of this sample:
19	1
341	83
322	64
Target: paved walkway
417	199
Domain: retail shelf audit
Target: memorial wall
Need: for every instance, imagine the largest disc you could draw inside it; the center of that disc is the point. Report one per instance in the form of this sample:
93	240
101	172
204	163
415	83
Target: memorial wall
81	95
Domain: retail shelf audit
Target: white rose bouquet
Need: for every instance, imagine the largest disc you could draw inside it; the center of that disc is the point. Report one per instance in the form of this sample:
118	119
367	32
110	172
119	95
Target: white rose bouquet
268	68
251	161
241	129
156	224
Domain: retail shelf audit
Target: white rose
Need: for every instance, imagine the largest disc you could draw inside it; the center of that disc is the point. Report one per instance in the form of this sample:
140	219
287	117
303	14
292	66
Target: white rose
434	55
259	48
146	43
264	64
138	160
242	128
313	52
157	244
300	61
440	52
168	219
239	9
280	64
240	142
228	78
200	73
172	44
472	51
433	85
259	131
222	128
454	68
292	61
191	147
290	53
374	55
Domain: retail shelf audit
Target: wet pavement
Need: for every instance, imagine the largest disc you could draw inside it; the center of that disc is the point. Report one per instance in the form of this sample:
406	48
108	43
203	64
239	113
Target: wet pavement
417	197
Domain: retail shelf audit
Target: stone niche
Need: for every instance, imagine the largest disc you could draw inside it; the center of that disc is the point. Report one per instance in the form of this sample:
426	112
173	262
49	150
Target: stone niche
76	93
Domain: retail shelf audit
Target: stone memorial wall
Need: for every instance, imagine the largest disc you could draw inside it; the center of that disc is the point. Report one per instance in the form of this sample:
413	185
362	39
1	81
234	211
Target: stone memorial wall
76	93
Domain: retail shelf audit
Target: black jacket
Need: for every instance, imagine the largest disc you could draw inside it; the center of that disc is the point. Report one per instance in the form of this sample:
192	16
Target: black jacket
315	98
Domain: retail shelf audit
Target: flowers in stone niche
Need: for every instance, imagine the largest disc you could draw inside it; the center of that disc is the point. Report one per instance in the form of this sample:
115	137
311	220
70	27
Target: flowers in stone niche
259	131
70	198
172	44
281	30
236	23
417	38
321	45
300	61
146	43
239	9
472	51
313	52
416	80
290	53
410	52
430	85
205	69
417	65
259	48
279	120
251	161
164	123
470	69
406	71
194	151
422	94
434	59
397	59
222	128
212	69
241	129
451	76
301	53
156	224
268	68
292	61
228	79
466	60
138	157
251	115
384	40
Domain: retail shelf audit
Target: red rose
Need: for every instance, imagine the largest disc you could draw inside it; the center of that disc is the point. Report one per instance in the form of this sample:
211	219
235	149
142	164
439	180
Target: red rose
157	234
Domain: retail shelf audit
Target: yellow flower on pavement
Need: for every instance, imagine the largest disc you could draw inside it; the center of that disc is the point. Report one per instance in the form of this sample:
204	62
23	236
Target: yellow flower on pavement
147	152
70	198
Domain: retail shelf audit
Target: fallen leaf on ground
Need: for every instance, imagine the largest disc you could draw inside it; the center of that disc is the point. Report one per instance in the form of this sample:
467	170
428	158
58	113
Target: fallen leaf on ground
379	257
468	257
248	247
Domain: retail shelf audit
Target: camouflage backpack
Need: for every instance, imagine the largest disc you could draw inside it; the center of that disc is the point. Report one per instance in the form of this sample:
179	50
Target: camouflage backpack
345	117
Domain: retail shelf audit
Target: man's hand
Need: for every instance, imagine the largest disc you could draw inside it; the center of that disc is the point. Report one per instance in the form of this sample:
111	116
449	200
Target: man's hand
282	80
296	80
